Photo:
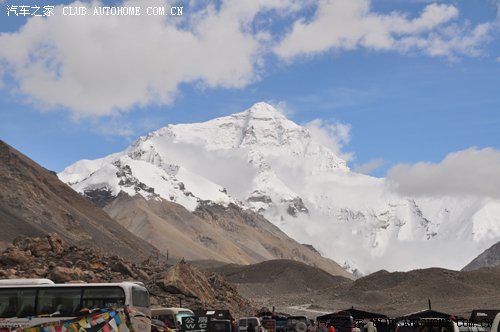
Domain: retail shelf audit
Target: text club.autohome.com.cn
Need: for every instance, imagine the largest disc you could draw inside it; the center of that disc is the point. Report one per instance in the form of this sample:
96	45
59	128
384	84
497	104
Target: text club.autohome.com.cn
27	10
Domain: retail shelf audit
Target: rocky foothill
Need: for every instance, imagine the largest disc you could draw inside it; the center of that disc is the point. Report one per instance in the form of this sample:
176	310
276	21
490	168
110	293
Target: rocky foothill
169	285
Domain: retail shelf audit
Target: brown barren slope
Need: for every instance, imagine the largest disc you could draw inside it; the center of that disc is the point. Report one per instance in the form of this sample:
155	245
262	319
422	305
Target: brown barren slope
212	232
488	258
394	294
34	202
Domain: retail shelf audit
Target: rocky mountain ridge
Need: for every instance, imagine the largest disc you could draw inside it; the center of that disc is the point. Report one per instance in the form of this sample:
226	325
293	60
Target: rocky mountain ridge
168	282
34	202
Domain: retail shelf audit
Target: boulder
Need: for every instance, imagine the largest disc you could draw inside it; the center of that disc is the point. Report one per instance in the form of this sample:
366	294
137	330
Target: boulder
15	256
123	269
187	280
56	243
61	274
40	247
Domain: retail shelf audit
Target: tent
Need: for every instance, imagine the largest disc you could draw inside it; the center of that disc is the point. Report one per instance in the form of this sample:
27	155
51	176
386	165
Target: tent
427	314
355	313
361	314
330	316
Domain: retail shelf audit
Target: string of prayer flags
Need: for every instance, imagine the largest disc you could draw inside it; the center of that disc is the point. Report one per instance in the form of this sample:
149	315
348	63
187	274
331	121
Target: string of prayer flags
101	320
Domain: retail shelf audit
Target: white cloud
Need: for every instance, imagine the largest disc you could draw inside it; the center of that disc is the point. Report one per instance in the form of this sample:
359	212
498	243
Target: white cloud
97	65
333	135
101	65
369	166
470	172
498	59
449	41
350	24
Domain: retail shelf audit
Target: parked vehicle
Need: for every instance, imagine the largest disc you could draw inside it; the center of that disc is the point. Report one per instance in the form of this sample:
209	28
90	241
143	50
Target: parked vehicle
280	324
470	328
25	303
172	317
495	326
298	324
244	321
220	325
158	326
484	317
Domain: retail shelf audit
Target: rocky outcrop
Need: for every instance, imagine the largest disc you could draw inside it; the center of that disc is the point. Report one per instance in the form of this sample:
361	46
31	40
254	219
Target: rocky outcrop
40	246
296	206
99	196
209	288
48	257
13	256
183	279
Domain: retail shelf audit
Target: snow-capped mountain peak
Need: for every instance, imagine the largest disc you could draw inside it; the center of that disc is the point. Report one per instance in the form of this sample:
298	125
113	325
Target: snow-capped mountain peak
261	160
261	129
260	125
264	111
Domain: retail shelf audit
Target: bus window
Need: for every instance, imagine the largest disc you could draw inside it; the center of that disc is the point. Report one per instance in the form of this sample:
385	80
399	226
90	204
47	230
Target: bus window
103	297
17	303
26	302
178	317
140	297
8	303
167	319
58	301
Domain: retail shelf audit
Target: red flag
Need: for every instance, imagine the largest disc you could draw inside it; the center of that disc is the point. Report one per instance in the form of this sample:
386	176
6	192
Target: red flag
106	328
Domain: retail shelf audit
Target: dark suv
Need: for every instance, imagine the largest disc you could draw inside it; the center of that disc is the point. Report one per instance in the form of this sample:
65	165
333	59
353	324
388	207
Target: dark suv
298	324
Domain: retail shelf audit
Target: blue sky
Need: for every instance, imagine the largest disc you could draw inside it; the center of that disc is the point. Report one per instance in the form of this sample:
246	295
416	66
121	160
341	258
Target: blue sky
412	81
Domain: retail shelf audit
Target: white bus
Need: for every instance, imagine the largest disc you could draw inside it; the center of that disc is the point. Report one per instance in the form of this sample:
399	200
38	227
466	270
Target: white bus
31	303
